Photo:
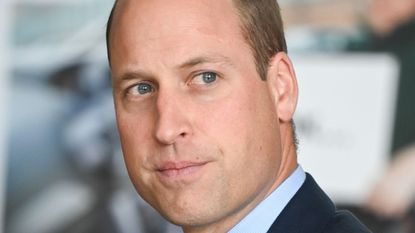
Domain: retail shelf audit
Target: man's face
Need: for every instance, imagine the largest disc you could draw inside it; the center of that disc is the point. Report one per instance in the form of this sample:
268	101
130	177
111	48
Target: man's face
198	126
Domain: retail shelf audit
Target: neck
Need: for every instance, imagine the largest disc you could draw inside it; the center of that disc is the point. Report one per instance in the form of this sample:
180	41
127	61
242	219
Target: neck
288	156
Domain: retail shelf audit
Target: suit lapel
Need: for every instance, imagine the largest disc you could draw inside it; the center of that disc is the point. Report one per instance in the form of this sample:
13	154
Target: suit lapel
308	211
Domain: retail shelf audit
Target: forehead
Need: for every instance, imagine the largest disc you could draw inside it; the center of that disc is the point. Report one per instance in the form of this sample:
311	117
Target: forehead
155	11
161	25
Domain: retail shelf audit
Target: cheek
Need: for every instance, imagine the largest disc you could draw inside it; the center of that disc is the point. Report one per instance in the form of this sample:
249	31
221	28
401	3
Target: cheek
246	127
134	132
224	121
231	123
135	138
134	124
135	135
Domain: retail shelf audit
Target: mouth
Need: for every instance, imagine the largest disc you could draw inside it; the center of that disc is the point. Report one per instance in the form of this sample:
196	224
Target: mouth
182	169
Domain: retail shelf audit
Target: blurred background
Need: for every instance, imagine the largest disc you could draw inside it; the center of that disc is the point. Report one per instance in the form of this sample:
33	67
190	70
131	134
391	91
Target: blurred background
61	168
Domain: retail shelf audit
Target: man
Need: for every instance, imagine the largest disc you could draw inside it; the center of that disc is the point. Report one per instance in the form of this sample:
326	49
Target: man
204	94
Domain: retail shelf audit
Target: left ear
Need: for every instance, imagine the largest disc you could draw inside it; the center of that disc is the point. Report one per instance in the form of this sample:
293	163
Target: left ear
282	84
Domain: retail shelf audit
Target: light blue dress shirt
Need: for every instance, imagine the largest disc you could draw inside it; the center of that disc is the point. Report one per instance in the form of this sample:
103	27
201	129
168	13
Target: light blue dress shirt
260	219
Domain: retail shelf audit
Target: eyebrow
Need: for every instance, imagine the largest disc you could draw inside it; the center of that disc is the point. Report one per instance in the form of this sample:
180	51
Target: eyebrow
131	75
206	59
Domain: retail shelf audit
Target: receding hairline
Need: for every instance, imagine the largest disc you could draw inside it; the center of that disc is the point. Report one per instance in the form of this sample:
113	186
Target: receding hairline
108	30
238	7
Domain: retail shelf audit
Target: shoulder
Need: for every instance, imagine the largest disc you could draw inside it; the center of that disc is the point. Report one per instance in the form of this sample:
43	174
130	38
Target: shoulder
312	211
343	221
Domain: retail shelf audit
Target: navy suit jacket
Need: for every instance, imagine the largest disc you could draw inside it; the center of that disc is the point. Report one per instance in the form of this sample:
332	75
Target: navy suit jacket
312	211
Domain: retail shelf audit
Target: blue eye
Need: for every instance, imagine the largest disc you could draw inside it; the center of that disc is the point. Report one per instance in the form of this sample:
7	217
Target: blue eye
205	78
142	88
209	77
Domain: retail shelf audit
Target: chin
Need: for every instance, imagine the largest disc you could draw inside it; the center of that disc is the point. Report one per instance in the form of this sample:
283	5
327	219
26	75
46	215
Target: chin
184	219
188	217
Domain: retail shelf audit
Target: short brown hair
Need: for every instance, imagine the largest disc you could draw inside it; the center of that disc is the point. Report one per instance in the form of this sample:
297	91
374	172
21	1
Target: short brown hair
263	30
261	26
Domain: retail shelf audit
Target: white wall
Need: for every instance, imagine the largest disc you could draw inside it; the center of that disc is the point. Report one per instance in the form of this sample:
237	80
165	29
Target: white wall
4	82
344	121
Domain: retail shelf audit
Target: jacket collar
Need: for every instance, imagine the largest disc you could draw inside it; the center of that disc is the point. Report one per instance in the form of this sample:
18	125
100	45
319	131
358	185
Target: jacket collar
309	211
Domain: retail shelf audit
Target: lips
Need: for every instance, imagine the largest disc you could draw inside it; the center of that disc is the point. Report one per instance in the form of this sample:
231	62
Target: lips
180	169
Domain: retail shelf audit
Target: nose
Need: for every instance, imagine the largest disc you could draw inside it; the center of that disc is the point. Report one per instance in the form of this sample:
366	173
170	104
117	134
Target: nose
173	121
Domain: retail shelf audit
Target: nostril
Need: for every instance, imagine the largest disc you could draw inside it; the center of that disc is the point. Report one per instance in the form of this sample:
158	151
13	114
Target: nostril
168	134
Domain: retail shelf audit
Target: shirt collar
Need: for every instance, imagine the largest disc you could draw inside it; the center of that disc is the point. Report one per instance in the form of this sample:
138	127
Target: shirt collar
264	214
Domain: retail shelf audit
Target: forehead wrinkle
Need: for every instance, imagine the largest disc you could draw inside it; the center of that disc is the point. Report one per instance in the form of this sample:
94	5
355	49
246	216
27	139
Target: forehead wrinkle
127	10
199	60
156	28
